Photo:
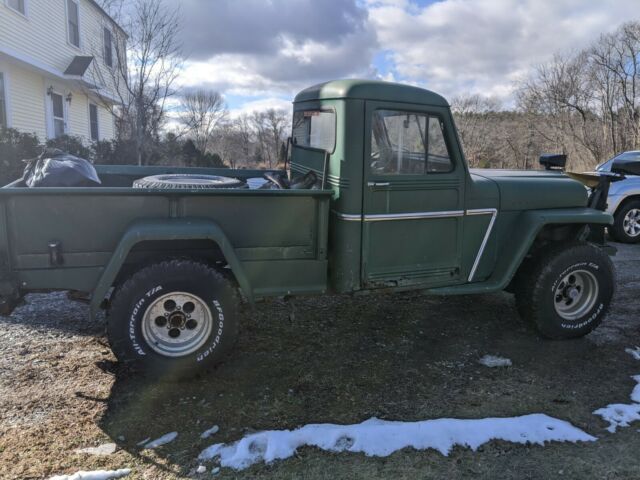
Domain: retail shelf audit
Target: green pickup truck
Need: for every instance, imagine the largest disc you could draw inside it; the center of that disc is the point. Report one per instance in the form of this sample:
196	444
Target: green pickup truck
393	206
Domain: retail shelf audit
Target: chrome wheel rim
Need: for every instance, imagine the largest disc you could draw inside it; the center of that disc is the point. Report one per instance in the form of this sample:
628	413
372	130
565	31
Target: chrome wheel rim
576	294
177	324
631	222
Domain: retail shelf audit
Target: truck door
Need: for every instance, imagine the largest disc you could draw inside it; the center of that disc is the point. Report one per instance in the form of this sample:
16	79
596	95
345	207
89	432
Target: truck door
413	197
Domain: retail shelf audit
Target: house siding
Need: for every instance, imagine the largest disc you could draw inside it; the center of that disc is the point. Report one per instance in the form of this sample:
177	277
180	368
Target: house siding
26	95
34	51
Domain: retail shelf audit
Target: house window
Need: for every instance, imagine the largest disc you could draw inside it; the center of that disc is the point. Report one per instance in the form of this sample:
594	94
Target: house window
57	108
3	103
108	47
18	6
73	21
93	121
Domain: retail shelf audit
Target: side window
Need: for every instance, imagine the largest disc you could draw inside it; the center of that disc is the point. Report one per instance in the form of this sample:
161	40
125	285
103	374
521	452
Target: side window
108	47
18	6
73	22
93	122
407	143
3	103
438	159
315	128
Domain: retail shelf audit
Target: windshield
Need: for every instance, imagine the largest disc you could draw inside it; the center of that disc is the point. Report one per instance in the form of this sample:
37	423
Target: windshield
626	156
315	129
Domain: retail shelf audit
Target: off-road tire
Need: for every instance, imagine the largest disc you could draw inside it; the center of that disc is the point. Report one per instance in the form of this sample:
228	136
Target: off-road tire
536	291
135	296
189	181
617	231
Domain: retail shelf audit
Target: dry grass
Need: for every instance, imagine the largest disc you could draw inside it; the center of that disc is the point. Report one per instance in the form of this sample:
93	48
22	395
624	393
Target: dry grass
339	360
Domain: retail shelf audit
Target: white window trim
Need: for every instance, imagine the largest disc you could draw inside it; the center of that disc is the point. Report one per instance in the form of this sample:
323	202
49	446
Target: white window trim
51	131
26	9
89	103
7	97
66	9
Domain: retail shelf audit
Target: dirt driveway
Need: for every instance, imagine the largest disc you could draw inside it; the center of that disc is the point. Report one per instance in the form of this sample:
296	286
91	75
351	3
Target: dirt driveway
338	360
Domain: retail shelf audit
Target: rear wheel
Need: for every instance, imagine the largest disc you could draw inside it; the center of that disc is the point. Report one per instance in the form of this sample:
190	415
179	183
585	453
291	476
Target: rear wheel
626	223
567	290
173	319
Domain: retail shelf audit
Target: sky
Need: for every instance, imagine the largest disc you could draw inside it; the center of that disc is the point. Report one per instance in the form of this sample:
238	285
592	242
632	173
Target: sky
260	53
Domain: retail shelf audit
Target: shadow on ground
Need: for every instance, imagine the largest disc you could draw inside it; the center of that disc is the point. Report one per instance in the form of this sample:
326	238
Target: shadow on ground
337	359
402	357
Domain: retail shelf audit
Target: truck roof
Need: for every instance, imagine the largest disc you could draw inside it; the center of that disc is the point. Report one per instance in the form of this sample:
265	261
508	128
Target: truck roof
370	90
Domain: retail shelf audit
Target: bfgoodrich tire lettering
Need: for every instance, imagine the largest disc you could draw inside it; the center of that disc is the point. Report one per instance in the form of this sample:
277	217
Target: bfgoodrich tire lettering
173	319
561	275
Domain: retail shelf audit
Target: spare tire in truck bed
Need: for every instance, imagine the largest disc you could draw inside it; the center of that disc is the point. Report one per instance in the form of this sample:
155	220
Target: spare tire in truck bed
188	181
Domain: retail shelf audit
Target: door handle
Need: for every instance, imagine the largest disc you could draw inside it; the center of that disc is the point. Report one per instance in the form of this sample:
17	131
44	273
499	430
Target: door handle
378	184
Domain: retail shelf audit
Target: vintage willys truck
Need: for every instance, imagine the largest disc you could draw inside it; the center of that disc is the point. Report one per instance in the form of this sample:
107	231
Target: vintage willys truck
395	207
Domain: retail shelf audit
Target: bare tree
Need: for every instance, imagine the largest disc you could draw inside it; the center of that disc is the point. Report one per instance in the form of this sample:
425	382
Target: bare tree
588	102
147	61
270	127
476	118
201	112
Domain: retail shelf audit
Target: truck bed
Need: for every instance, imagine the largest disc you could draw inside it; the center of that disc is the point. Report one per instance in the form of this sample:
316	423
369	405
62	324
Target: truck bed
278	236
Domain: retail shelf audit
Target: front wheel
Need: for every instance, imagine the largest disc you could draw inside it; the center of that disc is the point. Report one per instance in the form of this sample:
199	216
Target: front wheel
173	319
626	223
568	290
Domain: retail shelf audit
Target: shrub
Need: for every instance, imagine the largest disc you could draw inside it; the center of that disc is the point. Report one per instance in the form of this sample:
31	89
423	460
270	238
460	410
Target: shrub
15	147
72	145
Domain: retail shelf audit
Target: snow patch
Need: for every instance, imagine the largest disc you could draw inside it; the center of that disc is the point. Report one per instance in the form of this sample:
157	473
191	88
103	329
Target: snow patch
163	440
634	352
104	449
622	414
212	431
95	475
493	361
381	438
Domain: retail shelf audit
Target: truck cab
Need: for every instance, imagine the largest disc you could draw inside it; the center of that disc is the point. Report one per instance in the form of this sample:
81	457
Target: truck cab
406	210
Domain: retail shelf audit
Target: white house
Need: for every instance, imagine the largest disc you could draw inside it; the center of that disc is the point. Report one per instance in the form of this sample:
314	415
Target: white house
56	68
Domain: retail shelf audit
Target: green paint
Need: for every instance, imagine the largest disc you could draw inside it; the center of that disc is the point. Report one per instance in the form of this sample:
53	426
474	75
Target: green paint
370	230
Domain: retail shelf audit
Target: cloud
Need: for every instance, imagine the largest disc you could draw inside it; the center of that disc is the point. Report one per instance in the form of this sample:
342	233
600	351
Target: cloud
273	48
258	26
482	46
270	49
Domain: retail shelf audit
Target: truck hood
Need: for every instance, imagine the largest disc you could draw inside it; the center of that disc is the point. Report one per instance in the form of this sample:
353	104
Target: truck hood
535	189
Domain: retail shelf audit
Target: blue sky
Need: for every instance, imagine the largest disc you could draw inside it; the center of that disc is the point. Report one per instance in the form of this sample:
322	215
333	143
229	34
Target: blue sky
259	53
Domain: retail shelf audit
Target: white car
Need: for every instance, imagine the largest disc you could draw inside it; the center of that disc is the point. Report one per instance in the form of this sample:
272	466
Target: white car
624	196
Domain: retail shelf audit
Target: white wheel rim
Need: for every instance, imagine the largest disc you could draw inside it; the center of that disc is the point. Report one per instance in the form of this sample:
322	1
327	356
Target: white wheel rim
576	294
631	222
177	324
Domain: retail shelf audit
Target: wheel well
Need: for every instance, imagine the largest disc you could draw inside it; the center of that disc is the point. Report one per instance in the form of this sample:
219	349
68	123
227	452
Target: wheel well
153	251
628	199
555	233
548	235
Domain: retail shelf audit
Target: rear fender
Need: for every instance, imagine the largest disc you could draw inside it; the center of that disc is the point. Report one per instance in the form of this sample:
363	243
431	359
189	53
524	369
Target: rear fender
167	230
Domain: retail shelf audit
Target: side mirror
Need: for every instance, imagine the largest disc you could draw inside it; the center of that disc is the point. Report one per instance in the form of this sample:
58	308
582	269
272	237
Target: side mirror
553	161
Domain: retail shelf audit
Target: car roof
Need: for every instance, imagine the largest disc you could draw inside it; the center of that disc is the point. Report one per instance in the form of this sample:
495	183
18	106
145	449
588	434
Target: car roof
371	90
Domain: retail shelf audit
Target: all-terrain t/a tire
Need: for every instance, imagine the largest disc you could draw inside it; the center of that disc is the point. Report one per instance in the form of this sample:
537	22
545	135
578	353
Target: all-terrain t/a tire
626	223
173	319
567	291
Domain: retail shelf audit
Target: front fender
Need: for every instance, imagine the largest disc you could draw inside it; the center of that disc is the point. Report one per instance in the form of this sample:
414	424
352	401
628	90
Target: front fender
167	229
520	239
